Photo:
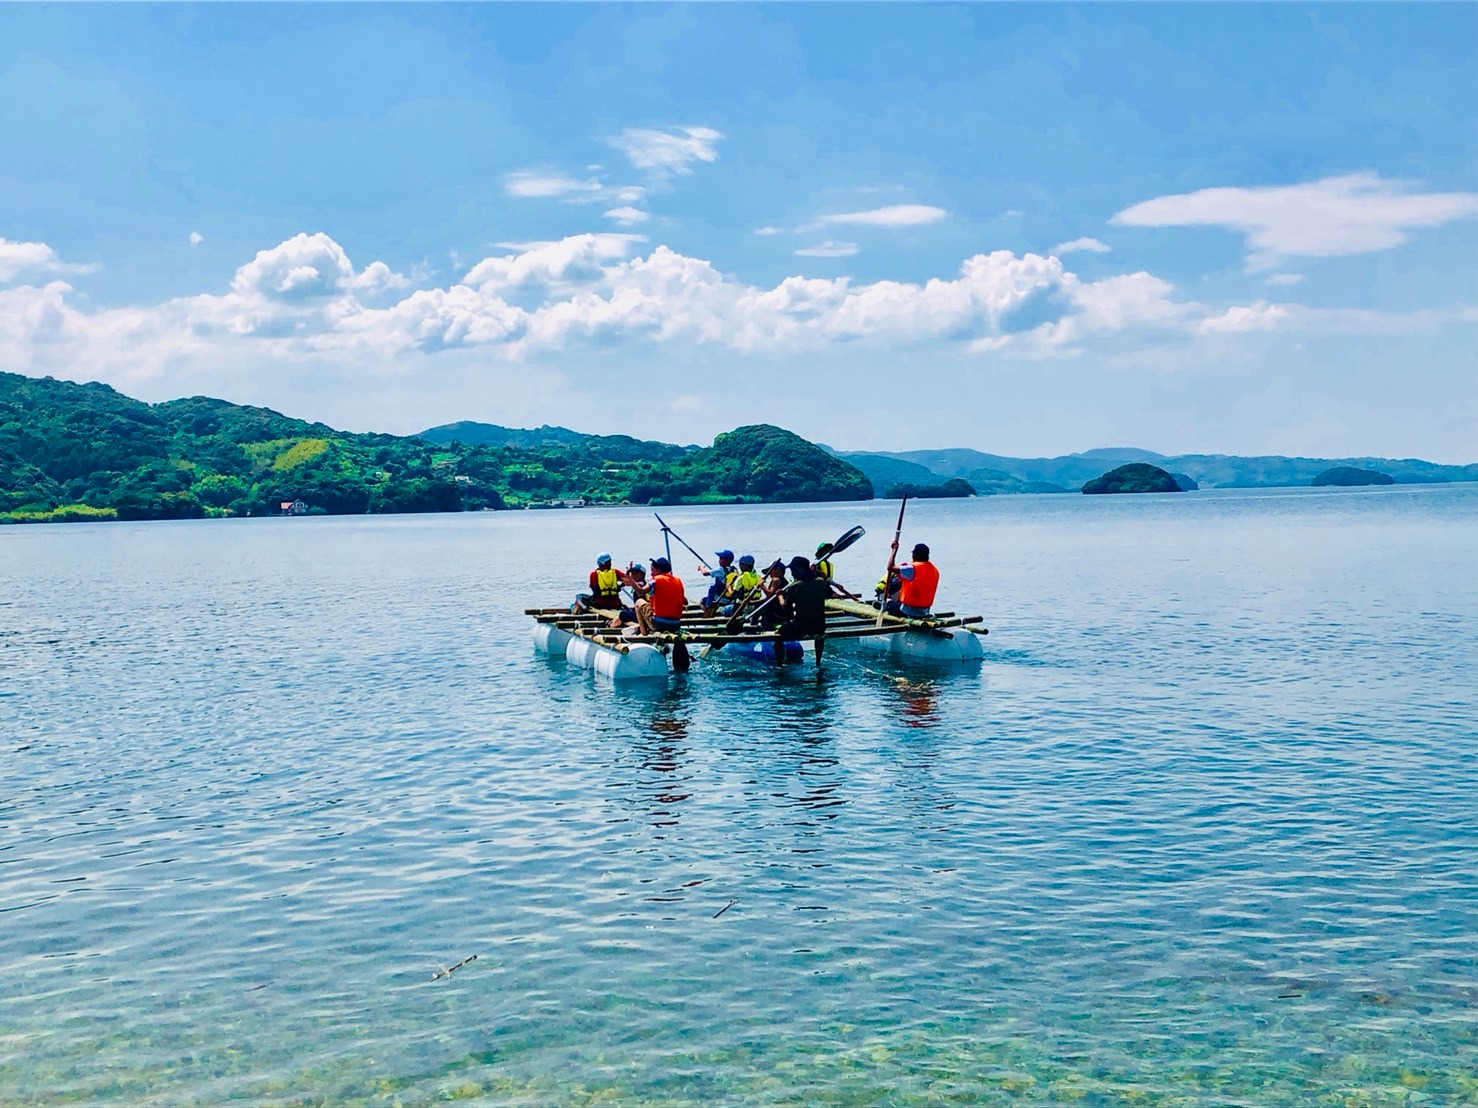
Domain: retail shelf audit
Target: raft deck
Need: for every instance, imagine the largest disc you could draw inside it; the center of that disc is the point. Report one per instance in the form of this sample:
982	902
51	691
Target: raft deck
845	619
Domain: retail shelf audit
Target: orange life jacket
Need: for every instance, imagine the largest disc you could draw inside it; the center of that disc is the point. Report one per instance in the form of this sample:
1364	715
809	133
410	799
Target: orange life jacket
668	598
919	593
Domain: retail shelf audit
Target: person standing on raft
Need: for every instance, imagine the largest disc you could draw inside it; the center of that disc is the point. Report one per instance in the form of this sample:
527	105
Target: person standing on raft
663	610
803	604
918	581
605	588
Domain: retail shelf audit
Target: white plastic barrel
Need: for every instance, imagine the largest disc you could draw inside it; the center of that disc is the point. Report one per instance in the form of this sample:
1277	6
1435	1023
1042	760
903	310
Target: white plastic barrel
925	646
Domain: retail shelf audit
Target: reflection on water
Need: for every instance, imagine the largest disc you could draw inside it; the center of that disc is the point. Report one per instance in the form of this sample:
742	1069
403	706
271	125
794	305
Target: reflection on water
1182	838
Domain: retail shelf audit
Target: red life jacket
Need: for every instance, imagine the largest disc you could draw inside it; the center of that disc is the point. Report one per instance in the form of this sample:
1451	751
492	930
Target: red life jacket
919	593
668	598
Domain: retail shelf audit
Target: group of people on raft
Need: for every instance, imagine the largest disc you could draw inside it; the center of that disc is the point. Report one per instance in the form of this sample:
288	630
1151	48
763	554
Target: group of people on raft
793	606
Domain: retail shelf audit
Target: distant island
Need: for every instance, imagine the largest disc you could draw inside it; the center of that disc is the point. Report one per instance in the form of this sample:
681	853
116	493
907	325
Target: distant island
953	488
1133	478
1349	476
76	452
71	452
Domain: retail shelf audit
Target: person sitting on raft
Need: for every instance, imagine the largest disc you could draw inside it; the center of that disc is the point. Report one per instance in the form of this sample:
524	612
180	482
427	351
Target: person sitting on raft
663	610
768	613
605	588
721	577
804	603
635	579
918	581
742	586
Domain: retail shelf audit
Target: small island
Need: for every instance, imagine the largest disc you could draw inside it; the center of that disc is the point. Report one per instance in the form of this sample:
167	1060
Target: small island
954	487
1350	477
1134	477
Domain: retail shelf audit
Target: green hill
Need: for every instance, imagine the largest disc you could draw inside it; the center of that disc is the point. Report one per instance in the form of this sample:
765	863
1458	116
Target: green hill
1349	477
1133	478
70	451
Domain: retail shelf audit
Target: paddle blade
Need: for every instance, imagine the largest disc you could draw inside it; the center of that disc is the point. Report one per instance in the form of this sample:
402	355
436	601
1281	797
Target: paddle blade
680	659
846	540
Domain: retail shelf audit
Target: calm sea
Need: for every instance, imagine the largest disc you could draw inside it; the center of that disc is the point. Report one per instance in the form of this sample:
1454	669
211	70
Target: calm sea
1201	829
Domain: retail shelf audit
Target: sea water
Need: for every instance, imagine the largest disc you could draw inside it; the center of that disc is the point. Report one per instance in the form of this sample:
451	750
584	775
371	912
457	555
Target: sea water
1202	828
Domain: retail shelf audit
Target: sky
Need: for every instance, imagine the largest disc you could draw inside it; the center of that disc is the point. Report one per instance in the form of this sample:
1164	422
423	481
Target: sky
1028	229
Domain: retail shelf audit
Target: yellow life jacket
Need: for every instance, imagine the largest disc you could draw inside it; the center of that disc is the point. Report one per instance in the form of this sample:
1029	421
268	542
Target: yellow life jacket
823	568
743	584
607	582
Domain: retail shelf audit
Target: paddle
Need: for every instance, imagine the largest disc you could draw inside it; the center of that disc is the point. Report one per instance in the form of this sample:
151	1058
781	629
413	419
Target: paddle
892	561
847	539
680	659
833	548
669	531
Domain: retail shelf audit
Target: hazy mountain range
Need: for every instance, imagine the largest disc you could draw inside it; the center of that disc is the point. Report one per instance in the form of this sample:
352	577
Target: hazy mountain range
998	473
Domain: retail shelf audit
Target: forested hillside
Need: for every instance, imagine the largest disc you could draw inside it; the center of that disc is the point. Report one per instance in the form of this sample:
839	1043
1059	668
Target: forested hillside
70	451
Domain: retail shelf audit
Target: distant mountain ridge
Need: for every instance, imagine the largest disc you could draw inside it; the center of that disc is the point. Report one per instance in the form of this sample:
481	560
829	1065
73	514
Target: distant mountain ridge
1069	472
999	473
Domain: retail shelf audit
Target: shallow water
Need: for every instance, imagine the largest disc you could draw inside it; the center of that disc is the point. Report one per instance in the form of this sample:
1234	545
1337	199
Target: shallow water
1200	829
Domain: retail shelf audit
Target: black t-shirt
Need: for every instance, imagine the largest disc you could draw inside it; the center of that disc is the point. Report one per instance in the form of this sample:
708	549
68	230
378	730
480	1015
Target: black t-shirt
805	605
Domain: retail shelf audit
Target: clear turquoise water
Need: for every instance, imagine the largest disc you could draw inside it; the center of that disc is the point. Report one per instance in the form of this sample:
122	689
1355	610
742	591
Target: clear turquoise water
1200	830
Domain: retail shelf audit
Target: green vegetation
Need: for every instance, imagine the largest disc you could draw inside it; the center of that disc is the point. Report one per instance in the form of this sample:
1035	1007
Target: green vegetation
1134	477
71	452
1349	476
954	487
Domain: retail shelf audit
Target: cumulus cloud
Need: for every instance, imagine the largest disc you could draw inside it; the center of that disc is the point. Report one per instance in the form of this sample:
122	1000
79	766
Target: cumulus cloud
894	215
577	260
19	257
196	238
627	216
1091	245
304	299
670	152
829	249
1352	214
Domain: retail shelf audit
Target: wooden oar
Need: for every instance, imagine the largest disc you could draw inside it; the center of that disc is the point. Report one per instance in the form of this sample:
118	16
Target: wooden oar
669	531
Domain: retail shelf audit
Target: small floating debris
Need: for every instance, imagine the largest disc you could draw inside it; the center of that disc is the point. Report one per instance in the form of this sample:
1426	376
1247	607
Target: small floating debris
725	908
448	972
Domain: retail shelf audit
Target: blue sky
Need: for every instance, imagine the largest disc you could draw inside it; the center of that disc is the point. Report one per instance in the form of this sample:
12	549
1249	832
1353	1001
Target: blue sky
1029	229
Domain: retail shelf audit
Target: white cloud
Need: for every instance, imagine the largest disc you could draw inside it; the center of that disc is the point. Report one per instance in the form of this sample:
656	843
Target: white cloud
1352	214
1091	245
20	257
1250	317
196	238
767	230
573	261
304	299
664	153
1284	280
895	215
627	216
531	183
305	267
829	249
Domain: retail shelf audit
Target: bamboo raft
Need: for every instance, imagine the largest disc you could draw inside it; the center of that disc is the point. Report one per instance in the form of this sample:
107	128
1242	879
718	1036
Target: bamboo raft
586	638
